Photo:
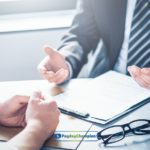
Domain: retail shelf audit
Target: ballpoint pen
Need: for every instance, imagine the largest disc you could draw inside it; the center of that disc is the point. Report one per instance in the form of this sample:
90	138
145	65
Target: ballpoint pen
74	113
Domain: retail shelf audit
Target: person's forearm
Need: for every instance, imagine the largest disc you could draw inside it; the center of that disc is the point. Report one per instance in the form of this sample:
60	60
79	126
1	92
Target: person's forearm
1	113
28	139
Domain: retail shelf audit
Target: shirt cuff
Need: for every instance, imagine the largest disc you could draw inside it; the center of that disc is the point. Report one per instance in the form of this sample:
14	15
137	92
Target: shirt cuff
70	71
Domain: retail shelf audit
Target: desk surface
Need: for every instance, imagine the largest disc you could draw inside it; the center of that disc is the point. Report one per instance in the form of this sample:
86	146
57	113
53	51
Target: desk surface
129	143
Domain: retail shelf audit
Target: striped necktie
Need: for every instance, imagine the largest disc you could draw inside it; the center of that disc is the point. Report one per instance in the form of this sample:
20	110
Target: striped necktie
139	41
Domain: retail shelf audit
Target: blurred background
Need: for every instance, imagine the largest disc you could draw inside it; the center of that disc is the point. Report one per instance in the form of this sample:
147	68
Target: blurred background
25	26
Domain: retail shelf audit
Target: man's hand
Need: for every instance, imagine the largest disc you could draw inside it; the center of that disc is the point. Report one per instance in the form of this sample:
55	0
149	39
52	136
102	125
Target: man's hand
12	111
54	67
141	76
42	114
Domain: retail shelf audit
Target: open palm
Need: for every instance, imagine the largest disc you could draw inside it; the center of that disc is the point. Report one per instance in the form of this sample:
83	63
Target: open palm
54	67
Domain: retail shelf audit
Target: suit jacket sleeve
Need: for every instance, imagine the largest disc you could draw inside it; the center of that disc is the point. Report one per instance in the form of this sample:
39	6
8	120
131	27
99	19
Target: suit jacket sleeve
82	37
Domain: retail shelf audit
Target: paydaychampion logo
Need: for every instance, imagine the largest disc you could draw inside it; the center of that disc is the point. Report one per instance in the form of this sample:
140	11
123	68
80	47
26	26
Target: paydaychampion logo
75	135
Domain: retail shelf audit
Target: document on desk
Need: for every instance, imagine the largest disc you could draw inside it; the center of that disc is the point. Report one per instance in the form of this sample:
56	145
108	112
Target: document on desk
103	97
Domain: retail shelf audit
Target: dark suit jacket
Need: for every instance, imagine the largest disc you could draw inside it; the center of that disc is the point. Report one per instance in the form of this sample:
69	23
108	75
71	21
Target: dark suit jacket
95	20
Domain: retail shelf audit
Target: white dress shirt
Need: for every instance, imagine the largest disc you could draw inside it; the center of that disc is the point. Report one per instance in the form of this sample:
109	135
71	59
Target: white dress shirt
121	63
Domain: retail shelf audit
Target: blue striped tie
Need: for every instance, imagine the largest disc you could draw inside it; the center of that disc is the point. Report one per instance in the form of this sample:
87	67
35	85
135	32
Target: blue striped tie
139	41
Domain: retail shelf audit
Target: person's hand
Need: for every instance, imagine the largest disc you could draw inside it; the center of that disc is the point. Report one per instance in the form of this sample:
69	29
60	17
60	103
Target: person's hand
54	67
42	117
140	75
42	114
12	111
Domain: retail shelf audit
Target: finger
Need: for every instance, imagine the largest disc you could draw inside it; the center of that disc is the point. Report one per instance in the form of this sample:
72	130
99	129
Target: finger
146	71
20	99
48	50
58	111
49	75
146	79
51	80
41	68
53	105
44	65
141	82
36	96
23	124
24	99
134	71
45	76
59	73
136	74
62	78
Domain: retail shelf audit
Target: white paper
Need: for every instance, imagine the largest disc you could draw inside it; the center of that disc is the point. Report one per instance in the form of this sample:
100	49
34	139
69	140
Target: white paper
104	96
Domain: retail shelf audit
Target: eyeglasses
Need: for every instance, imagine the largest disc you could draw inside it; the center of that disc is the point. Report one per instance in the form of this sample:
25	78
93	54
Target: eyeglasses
116	133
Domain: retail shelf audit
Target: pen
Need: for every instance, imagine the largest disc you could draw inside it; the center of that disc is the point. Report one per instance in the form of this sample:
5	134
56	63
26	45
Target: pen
74	113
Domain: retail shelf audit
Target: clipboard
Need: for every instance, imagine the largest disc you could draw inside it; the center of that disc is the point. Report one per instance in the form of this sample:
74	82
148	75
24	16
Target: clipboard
98	121
140	95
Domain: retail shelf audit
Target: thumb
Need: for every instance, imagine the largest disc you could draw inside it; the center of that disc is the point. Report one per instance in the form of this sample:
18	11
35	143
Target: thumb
36	96
24	99
48	50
